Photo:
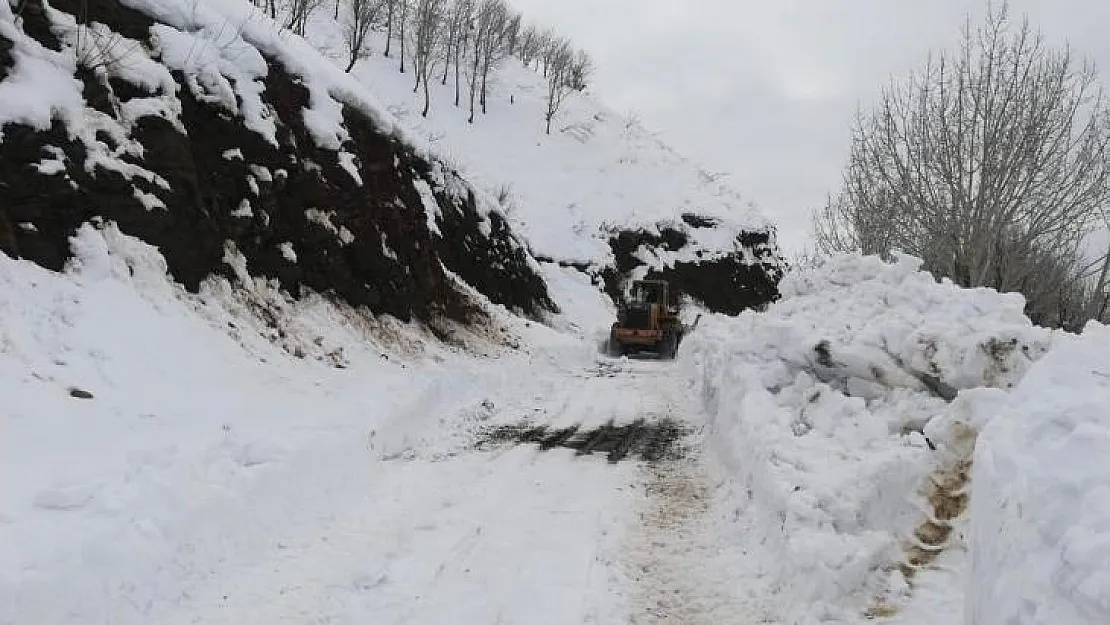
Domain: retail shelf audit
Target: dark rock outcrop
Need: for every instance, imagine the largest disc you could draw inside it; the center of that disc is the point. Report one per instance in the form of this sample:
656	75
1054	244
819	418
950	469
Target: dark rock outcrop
727	282
6	59
297	213
497	265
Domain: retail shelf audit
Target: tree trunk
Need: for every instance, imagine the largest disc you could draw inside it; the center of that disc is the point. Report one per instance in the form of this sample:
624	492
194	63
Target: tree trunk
474	82
402	29
458	90
389	26
427	98
447	61
485	73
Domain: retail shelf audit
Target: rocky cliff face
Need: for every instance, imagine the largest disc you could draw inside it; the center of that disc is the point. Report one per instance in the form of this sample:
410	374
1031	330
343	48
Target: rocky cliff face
206	138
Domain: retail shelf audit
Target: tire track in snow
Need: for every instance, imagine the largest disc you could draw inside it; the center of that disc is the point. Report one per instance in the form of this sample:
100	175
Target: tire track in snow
675	556
665	553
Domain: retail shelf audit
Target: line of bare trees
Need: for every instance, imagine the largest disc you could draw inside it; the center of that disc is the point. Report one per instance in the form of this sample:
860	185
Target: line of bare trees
992	165
438	39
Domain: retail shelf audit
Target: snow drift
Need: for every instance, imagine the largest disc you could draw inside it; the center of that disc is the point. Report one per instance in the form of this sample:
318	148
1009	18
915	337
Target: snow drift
1040	506
823	413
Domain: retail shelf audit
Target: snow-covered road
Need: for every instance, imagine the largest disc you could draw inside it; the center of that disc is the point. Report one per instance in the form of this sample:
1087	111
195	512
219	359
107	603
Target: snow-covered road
443	533
420	518
509	533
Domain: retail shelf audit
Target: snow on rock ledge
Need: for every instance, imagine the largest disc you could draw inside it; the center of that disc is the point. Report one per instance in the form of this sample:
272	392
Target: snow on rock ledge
818	410
143	142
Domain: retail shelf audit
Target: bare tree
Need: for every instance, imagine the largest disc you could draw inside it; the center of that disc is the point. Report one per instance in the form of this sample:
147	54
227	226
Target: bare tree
559	61
512	33
492	49
403	7
298	12
269	7
991	164
465	9
361	17
581	70
529	45
454	25
549	44
484	22
427	23
390	15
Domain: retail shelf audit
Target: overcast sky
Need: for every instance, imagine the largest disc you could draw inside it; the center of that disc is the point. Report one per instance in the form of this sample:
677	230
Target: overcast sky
765	90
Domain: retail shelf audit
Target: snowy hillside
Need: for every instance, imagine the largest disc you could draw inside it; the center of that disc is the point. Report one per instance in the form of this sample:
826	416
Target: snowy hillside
601	193
597	171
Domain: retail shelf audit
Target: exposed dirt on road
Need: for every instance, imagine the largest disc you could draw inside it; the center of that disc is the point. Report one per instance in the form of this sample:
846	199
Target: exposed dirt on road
650	441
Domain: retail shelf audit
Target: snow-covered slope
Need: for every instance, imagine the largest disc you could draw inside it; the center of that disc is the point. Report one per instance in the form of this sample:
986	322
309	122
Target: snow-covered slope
597	170
237	150
598	176
828	414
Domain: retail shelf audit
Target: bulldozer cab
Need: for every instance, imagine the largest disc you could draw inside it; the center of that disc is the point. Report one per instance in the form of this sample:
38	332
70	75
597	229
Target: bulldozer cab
645	292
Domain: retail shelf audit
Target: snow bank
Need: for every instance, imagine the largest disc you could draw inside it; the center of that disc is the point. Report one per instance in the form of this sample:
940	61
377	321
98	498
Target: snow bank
818	409
175	449
1040	506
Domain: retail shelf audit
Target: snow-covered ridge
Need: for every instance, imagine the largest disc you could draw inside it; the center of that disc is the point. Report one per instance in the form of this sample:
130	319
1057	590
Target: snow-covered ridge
829	416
